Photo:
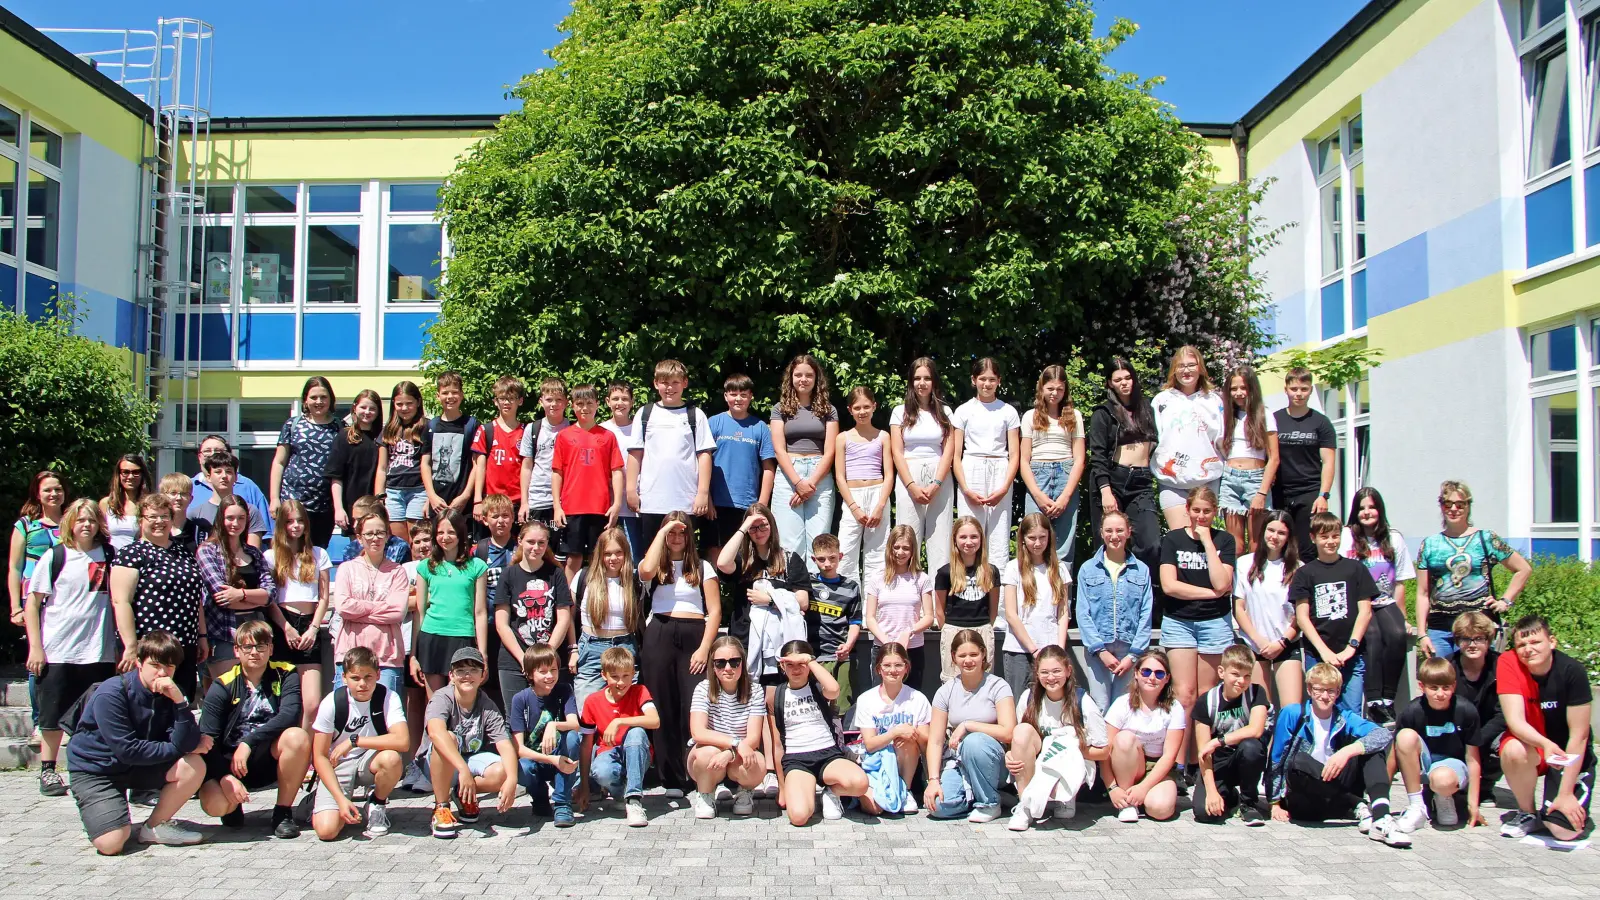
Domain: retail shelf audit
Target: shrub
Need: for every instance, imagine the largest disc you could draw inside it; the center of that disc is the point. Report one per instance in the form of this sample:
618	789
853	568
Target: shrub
1566	591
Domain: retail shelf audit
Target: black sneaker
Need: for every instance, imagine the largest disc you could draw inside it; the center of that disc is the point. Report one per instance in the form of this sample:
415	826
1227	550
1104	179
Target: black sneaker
286	829
234	819
1250	815
1185	780
1377	712
144	798
51	785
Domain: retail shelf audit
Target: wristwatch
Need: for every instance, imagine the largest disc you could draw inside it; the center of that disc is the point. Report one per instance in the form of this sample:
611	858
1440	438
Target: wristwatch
1354	643
1325	495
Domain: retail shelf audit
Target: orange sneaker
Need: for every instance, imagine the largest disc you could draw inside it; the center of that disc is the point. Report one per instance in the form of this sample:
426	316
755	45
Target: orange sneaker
445	824
467	810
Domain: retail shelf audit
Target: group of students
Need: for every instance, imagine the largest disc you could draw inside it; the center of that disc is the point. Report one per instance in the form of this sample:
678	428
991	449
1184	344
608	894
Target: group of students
721	603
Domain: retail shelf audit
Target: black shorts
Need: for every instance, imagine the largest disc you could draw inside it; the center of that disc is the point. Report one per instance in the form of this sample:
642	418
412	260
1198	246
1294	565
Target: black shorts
61	684
433	651
581	534
719	531
1583	790
813	762
261	772
282	652
103	799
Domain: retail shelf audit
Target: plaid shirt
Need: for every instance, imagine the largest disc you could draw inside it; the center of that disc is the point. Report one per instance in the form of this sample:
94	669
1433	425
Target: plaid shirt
220	621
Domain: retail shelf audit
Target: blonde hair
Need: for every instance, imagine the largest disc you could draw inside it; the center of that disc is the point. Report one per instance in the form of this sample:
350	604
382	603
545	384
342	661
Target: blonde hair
913	566
527	529
174	480
1025	564
691	555
1203	384
1324	675
958	568
291	562
76	510
597	598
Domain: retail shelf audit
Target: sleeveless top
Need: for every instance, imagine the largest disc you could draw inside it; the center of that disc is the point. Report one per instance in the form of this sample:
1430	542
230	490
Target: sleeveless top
863	460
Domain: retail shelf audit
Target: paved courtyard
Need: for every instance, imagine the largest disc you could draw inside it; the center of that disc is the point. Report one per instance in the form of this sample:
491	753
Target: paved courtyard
43	854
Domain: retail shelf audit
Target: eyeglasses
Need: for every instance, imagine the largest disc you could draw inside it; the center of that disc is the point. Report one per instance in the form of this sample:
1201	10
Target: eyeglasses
727	663
155	518
375	537
760	526
1157	674
1472	640
253	648
1324	691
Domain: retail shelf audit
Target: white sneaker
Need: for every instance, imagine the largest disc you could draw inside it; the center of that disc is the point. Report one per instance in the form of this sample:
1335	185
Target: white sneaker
910	807
744	804
1384	831
636	816
1363	817
170	833
1066	809
1519	825
769	786
1020	820
377	820
832	808
1415	816
982	814
703	804
723	793
1128	814
1444	811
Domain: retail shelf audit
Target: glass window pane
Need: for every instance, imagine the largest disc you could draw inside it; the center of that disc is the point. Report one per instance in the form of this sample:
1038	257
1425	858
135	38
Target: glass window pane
270	198
1332	229
1554	351
1363	397
212	263
1355	135
255	463
1328	155
269	264
1549	143
1359	178
1594	346
414	261
219	199
1555	458
8	206
264	416
1591	37
44	219
413	197
335	198
332	259
206	418
1538	13
45	144
10	125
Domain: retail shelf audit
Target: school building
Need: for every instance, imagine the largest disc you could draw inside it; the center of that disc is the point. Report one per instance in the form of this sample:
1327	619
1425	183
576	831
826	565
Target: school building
228	258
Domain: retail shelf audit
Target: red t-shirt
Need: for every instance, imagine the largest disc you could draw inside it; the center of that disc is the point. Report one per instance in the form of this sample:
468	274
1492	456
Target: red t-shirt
1511	676
586	460
598	711
503	471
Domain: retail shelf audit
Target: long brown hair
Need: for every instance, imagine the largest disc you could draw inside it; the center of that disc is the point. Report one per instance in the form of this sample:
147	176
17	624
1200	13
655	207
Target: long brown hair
1203	384
396	429
1041	411
713	685
219	536
352	431
597	598
1291	547
775	564
789	398
1255	414
958	568
1071	712
936	404
118	499
33	507
291	562
1165	698
1052	564
691	556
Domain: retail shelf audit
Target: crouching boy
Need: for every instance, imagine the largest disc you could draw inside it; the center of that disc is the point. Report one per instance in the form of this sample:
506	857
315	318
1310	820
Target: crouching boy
467	746
1545	697
1436	740
544	726
360	738
1230	724
616	741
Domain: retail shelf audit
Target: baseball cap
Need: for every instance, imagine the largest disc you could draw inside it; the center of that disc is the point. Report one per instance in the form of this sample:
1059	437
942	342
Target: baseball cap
467	655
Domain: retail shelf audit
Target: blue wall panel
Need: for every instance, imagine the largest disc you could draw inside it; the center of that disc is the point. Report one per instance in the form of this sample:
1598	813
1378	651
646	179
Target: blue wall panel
1471	247
40	296
330	336
1556	546
8	288
266	336
1332	304
1591	199
1398	277
1548	213
404	334
211	340
1289	321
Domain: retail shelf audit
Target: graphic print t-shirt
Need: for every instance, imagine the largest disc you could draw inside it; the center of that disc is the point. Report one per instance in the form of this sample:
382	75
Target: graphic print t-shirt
834	605
1230	715
502	471
1548	698
404	470
449	453
1300	445
1385	573
476	730
1447	732
76	615
970	607
531	713
532	598
1188	555
1333	591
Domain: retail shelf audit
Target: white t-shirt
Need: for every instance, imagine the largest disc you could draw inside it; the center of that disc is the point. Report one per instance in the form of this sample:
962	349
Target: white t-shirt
681	597
986	426
615	606
909	707
1052	444
805	730
405	623
924	439
1150	726
359	722
1240	447
75	617
1321	737
1265	601
1042	619
1051	711
292	593
669	474
539	495
624	436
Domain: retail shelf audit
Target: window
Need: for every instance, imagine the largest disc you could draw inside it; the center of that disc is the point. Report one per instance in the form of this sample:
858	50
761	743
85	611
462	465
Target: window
334	198
1561	123
44	144
1549	143
414	252
207	418
8	206
1555	458
10	126
1538	13
267	198
1355	439
1555	351
1564	384
332	261
44	219
211	265
264	417
219	200
414	197
254	439
30	212
269	261
1342	221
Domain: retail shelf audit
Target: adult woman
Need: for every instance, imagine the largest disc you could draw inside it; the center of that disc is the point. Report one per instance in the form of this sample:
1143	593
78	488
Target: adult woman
300	466
353	461
1122	433
611	610
452	602
302	571
804	429
120	506
156	586
1197	579
1455	571
899	605
1368	537
685	612
1115	602
1188	416
1054	710
1263	612
895	714
239	583
1053	458
920	441
37	529
1145	729
1250	445
973	717
1034	596
371	594
727	716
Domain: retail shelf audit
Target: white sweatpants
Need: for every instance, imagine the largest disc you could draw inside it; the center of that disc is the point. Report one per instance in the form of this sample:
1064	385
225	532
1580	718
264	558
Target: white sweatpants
931	521
857	541
983	475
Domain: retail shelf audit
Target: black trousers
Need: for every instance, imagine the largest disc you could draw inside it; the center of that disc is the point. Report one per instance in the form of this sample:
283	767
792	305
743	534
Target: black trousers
320	524
1308	797
1238	771
1385	650
664	670
1298	506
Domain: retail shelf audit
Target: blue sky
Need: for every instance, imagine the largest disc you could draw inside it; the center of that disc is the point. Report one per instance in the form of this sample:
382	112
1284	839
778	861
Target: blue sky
361	57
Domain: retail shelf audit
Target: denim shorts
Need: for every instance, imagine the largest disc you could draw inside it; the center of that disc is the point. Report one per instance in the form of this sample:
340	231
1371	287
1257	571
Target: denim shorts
1206	635
1448	762
406	504
1239	488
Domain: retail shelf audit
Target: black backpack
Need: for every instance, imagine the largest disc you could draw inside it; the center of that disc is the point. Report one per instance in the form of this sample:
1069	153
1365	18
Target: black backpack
341	709
72	716
58	561
829	715
644	422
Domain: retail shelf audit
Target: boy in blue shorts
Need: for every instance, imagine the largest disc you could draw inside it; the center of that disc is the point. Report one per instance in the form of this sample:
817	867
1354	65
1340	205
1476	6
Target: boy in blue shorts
1436	739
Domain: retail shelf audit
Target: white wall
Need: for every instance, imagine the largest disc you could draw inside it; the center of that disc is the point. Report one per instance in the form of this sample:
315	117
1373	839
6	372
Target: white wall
99	236
1291	268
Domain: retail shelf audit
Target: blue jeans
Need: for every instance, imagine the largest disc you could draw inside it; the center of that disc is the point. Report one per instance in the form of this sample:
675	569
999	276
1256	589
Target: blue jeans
1103	687
536	777
1052	479
406	504
620	770
1444	643
630	527
798	525
391	677
1352	696
589	678
973	779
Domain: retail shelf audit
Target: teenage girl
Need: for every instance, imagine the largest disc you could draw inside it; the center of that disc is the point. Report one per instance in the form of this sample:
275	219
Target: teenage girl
988	439
531	605
1369	538
974	715
685	612
1144	729
1266	617
239	583
1197	578
302	571
1122	433
300	466
1053	458
1054	702
611	610
452	602
1115	606
920	439
120	505
966	593
353	467
1250	445
37	529
865	471
400	460
899	605
727	717
807	744
804	429
1035	597
1188	416
895	713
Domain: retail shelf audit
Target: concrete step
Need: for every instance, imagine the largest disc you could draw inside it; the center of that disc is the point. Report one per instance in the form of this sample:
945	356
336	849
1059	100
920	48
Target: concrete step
16	722
17	754
14	692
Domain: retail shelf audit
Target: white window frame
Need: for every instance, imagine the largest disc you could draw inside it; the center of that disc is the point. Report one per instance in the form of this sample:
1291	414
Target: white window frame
20	154
1567	32
1342	406
1344	174
179	445
1581	381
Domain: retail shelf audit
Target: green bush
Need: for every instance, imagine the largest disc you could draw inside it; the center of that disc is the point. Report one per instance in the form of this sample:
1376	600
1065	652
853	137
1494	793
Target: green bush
1566	591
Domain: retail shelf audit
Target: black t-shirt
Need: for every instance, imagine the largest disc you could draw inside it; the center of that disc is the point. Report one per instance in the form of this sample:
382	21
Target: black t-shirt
1483	697
1230	715
1333	591
404	466
970	608
450	454
735	589
354	466
532	599
833	608
169	592
1300	445
1188	555
1447	732
1566	685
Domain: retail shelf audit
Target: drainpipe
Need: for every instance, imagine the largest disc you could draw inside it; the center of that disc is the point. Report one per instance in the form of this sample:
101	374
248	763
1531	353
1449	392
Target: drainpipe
1241	148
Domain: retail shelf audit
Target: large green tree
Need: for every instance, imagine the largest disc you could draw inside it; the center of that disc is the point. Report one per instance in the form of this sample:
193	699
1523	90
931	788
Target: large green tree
730	182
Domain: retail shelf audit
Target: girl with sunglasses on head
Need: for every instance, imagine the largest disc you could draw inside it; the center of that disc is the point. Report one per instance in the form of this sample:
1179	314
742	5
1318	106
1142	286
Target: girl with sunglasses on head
894	714
1369	537
1145	729
1455	572
727	715
130	481
1262	608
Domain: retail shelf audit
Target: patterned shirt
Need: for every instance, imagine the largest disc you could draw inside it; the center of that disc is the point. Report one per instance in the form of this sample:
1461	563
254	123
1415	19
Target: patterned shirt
221	621
305	476
170	591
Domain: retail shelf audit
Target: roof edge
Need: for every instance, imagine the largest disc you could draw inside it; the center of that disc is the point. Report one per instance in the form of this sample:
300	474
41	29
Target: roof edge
1210	129
257	124
61	56
1341	40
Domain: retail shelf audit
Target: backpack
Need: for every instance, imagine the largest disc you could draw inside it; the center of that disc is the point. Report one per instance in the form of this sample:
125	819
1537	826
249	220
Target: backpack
644	422
829	716
58	561
488	436
341	709
72	716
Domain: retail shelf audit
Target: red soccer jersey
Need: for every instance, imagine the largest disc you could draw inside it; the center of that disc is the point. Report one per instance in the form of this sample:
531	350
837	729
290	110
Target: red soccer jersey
503	470
586	460
598	711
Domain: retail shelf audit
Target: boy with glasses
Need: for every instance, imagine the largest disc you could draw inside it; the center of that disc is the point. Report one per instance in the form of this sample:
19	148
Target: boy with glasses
201	488
1475	662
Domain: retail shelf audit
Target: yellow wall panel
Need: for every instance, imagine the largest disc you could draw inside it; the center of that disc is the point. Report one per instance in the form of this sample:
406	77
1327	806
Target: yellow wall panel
63	102
293	156
1467	312
1559	294
281	385
1225	158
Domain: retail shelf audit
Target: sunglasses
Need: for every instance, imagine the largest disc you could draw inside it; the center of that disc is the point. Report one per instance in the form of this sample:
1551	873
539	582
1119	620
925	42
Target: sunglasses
128	473
1455	504
727	663
1157	674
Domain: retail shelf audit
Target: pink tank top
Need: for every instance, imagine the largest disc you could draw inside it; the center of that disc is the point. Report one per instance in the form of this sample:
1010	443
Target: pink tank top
863	460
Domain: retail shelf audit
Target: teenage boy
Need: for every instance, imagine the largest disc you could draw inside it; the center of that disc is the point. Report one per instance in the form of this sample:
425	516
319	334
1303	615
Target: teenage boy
137	732
1332	597
360	736
1545	697
585	482
616	742
1307	455
743	464
538	449
496	550
1475	662
1325	758
619	399
450	468
1230	724
462	724
833	614
200	485
669	460
500	445
222	471
1435	739
251	714
544	726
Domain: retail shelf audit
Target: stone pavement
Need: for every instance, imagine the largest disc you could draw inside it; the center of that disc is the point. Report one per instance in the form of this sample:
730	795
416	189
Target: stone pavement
43	854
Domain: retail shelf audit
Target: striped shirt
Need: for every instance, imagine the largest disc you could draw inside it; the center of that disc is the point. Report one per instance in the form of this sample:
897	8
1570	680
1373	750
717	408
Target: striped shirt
728	716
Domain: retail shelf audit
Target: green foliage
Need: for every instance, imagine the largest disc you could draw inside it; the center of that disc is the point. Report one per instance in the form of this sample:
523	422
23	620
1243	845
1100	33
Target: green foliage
1336	366
732	182
1566	591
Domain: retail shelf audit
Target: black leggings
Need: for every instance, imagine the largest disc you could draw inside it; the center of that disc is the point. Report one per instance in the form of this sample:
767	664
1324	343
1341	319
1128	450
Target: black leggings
320	524
664	670
1237	768
1134	490
1308	797
1298	506
1385	650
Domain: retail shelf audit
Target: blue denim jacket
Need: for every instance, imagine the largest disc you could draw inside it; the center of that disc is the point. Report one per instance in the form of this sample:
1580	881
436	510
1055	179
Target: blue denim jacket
1110	612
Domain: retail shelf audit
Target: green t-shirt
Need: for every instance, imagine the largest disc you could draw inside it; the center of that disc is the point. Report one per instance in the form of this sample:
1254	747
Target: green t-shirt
451	591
